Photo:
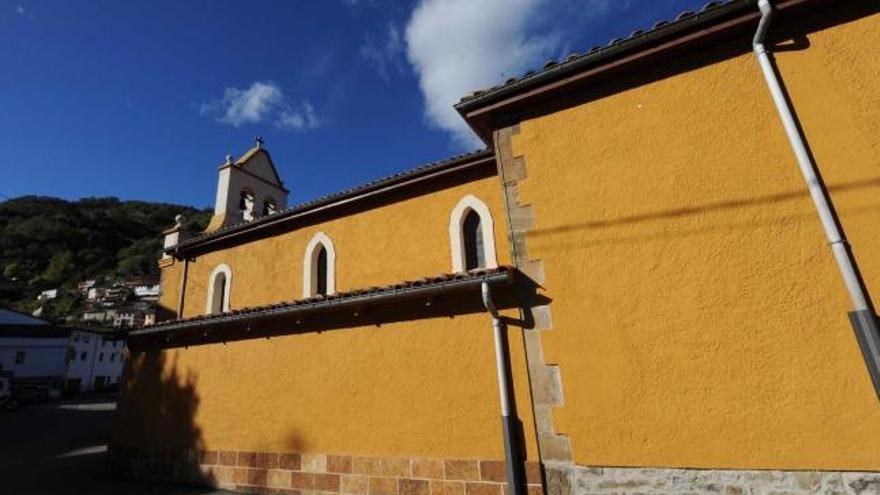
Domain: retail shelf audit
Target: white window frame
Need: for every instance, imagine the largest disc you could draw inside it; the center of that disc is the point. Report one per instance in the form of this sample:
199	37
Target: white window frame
456	234
310	275
227	288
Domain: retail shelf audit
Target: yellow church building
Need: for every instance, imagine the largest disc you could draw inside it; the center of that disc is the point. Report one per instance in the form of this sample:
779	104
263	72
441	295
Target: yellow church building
656	278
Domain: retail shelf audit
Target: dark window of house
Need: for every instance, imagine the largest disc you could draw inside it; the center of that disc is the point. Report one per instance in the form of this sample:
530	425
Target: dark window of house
474	256
101	357
112	357
83	356
321	271
19	357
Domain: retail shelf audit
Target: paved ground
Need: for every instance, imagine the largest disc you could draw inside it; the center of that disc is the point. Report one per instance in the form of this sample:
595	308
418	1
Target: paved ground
59	448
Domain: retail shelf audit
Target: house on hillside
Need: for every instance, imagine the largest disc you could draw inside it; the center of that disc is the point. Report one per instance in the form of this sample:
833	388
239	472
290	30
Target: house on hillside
632	275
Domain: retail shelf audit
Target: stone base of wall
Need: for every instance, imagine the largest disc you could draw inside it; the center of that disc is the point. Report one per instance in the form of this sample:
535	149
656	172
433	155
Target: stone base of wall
566	479
319	474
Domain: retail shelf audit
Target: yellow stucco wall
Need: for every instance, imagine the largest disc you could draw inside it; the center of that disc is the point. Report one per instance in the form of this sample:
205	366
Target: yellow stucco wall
698	317
424	388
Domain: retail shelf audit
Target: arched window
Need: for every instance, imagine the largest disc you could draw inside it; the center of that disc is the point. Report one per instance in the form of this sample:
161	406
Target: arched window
471	235
269	206
246	205
319	267
219	286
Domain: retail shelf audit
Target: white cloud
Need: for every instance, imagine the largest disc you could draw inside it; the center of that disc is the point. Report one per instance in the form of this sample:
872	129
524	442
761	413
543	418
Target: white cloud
299	120
261	102
385	53
22	11
457	46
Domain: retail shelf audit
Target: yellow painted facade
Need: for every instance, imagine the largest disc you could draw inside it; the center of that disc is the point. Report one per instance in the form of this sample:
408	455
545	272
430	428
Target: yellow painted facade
699	319
696	317
400	241
420	388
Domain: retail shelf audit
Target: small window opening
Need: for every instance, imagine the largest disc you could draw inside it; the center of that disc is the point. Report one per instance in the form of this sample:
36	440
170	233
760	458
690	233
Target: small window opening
472	231
19	357
321	271
269	207
219	295
246	205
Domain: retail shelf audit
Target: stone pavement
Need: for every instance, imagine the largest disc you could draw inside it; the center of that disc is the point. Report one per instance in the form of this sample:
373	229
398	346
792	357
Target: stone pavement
59	448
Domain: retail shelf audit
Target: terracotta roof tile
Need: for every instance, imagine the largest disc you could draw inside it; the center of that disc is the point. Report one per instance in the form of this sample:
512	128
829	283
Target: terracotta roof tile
413	172
423	282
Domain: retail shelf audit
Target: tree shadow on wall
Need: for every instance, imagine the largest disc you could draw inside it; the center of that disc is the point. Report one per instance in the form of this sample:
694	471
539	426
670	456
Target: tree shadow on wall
155	437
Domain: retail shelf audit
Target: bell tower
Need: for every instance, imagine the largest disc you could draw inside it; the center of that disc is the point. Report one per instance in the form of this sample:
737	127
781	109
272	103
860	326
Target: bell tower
247	188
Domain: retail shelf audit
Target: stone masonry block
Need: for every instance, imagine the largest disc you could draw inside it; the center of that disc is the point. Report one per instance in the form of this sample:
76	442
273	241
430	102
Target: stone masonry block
395	466
495	471
383	486
482	488
414	487
247	459
302	481
366	465
278	478
292	462
447	487
339	464
314	463
355	484
427	468
266	460
228	458
461	470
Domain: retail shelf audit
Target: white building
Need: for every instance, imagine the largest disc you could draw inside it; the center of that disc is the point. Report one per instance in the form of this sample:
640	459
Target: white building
76	360
48	294
148	292
31	348
95	361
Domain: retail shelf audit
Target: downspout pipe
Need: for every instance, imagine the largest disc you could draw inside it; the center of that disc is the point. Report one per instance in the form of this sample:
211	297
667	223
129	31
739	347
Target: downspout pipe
863	317
515	481
182	290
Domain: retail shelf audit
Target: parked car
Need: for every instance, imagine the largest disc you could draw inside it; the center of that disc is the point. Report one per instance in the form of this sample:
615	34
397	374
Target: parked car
7	400
29	394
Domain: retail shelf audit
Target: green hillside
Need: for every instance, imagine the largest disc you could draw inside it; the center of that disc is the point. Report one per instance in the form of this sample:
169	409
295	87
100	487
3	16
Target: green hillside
48	243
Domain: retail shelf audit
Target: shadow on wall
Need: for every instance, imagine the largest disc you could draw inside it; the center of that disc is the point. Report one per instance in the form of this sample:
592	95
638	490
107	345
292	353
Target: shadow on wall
155	436
661	218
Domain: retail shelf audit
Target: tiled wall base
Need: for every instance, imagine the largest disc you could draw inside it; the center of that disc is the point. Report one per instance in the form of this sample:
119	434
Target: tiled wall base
307	474
578	480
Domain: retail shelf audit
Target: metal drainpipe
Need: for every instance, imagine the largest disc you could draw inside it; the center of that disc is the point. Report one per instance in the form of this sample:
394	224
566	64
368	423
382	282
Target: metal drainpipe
508	423
182	290
863	318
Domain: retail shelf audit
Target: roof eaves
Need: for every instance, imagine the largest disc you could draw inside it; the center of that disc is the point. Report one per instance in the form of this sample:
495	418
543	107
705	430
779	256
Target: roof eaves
618	46
422	287
331	199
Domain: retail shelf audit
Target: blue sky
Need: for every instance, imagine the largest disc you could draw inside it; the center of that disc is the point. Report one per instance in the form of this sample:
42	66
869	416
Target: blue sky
143	100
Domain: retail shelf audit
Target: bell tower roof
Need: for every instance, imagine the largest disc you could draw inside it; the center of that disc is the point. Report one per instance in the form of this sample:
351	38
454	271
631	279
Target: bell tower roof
258	163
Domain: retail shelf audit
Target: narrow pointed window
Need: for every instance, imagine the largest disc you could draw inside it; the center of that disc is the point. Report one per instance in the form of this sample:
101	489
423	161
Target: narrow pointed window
471	235
219	297
472	231
319	267
218	290
321	271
